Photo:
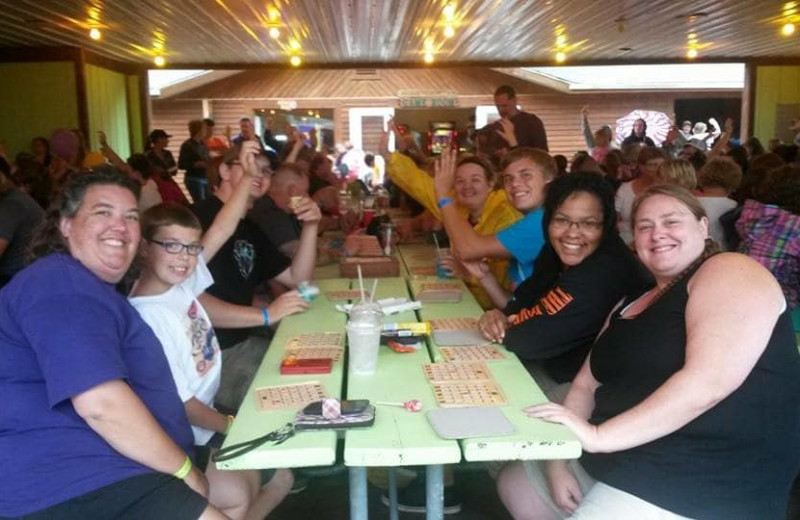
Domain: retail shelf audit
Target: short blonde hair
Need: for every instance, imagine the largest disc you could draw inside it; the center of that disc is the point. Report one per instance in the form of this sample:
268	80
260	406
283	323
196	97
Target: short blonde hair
679	172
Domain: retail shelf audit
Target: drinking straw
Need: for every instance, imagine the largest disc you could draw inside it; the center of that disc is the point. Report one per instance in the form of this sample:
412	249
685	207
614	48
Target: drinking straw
361	283
436	241
372	294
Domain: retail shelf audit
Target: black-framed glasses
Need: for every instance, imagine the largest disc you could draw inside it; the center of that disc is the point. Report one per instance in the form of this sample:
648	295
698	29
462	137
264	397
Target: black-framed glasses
174	248
563	223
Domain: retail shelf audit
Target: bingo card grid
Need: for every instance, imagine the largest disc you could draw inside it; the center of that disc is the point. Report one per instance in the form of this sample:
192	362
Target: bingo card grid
460	371
471	353
468	393
288	396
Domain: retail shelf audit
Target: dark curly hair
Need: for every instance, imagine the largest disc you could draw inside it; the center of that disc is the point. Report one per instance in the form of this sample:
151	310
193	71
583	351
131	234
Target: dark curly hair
47	237
548	266
782	188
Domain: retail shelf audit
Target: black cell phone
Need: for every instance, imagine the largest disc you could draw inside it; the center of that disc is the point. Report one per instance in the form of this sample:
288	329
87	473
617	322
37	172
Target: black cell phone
353	407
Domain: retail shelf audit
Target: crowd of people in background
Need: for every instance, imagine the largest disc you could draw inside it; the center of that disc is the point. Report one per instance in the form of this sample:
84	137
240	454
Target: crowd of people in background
577	262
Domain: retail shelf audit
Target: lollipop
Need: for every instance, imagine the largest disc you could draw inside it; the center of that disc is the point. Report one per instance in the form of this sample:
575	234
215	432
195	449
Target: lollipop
413	405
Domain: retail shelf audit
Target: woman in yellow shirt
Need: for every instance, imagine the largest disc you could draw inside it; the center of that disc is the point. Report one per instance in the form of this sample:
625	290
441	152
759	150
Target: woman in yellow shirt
486	208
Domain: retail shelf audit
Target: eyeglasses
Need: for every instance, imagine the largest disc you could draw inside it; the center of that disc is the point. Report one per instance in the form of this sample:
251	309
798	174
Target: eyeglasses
174	248
563	223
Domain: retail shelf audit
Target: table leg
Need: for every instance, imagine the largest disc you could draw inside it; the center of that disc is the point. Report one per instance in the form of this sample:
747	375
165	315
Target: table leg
358	494
393	513
434	492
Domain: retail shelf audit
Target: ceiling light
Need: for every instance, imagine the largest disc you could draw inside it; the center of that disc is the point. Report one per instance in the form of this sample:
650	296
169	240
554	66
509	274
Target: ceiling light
449	11
449	32
271	111
274	33
295	61
94	33
311	112
159	61
428	57
691	54
561	57
787	29
294	44
561	40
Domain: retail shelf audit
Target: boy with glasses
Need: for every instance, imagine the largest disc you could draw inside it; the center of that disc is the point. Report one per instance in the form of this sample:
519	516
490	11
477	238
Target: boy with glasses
166	296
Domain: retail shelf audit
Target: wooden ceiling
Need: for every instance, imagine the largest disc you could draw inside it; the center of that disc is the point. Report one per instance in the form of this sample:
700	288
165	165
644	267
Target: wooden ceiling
336	33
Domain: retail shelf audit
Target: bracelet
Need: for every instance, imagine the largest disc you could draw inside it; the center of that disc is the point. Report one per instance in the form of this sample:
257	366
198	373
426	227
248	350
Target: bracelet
444	202
230	419
184	470
265	314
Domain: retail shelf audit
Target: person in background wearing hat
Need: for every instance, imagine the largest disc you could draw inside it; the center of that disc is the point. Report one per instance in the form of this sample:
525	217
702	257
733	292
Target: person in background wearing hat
194	159
164	167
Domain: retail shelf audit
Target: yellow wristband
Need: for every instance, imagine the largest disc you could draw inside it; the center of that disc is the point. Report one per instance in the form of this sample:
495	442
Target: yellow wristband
184	469
230	419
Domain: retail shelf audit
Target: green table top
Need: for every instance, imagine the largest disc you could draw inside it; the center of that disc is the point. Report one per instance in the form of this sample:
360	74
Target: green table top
398	437
534	438
307	448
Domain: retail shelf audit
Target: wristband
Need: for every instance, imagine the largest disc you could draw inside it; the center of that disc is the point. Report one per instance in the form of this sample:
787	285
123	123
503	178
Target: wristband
265	314
230	419
184	470
444	202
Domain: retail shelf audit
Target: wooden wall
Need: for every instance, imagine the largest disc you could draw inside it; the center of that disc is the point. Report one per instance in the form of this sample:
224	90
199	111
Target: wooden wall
239	95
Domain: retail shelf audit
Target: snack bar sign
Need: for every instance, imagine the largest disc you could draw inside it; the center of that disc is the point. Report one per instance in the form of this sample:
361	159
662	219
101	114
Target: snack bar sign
427	99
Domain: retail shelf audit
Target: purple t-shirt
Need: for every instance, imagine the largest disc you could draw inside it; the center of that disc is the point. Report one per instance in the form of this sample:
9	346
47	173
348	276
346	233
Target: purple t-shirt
62	332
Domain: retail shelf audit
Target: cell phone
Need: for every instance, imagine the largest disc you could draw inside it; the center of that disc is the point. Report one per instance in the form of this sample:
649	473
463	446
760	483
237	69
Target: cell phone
353	407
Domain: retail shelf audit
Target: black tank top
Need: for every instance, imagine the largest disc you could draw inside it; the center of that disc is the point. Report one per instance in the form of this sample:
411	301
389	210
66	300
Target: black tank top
738	459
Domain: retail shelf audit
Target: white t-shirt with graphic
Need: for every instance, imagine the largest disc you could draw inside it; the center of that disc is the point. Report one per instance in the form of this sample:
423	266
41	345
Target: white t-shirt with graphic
185	332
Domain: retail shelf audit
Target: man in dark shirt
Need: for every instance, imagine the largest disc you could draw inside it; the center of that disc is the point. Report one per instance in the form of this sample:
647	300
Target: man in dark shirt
19	214
528	129
244	262
194	159
274	213
247	132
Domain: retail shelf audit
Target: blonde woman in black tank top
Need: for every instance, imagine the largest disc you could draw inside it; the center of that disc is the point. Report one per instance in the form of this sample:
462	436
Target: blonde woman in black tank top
689	402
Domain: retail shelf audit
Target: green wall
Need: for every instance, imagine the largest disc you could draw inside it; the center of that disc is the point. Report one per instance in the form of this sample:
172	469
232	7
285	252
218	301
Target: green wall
775	85
35	99
134	111
107	103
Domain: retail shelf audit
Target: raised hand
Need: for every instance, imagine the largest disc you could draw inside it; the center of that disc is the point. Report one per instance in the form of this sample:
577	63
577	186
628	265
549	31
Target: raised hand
445	175
247	158
506	131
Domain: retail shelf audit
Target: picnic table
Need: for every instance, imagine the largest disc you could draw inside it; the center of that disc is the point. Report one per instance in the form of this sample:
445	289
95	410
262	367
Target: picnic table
398	437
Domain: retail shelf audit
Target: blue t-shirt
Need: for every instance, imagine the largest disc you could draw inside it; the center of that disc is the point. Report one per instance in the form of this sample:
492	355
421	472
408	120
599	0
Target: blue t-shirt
62	332
523	239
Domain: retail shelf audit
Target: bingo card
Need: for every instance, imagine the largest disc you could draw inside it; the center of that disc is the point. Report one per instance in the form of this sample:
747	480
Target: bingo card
468	393
471	353
288	396
461	371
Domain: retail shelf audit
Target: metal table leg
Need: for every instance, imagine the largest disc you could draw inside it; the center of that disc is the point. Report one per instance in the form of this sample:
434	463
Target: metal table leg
358	493
434	492
393	513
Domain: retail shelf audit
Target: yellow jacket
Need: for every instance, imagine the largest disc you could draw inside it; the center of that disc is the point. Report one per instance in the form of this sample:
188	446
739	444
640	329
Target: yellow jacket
497	214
